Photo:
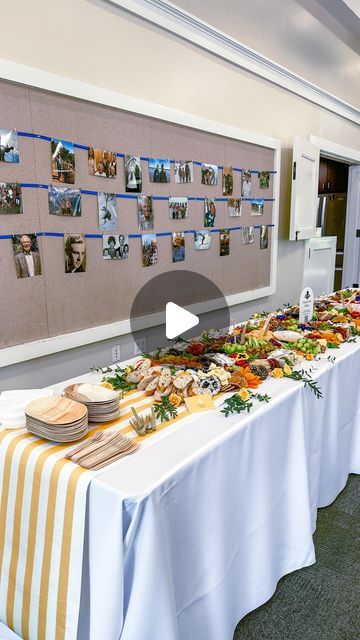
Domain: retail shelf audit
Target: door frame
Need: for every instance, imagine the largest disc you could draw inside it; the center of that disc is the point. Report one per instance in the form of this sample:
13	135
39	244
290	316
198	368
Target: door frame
336	151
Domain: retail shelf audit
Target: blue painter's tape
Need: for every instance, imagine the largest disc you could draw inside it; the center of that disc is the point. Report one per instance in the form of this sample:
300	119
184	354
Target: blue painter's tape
55	234
6	237
31	185
130	196
89	192
80	146
93	235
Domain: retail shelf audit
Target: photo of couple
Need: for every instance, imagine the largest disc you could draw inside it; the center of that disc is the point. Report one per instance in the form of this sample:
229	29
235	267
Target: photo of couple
159	170
184	171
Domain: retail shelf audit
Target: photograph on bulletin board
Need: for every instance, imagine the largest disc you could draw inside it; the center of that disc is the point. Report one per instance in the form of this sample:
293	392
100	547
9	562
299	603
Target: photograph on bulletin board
62	161
64	201
107	211
264	179
9	146
178	246
227	181
234	207
224	235
27	255
145	213
133	174
209	174
178	208
184	171
102	163
257	207
159	170
115	247
209	212
202	240
246	184
10	197
264	236
75	253
247	235
149	249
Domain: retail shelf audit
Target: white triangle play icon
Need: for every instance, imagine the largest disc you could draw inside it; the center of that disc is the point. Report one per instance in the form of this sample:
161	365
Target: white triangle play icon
178	320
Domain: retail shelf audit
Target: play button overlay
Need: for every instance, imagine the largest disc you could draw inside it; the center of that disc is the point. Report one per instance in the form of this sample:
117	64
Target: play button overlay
178	320
174	306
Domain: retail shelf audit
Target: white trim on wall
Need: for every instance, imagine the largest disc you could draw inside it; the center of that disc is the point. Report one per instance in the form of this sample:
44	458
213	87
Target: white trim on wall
51	82
187	26
48	346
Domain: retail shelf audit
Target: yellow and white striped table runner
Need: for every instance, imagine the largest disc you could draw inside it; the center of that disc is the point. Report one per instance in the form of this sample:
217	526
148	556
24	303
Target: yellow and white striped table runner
42	519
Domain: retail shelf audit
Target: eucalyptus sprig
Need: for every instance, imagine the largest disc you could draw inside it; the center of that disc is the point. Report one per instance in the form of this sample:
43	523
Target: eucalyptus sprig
117	379
305	377
236	405
164	410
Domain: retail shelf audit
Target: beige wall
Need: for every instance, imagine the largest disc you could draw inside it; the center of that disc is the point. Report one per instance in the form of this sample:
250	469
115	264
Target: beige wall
89	41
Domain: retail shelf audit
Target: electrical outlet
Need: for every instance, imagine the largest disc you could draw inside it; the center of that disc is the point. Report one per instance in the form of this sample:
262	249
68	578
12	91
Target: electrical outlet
140	346
116	353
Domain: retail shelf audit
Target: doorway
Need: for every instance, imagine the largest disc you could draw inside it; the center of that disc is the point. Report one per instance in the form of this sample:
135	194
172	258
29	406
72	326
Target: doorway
332	208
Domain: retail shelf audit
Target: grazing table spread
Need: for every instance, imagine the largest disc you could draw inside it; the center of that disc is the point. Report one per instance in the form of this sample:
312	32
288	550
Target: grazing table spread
192	531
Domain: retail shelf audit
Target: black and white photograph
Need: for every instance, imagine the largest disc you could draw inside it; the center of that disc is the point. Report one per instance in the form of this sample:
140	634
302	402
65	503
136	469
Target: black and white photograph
224	236
62	161
178	208
246	184
178	246
10	197
102	163
209	212
107	211
257	207
75	253
115	247
145	213
159	170
27	255
246	235
9	146
234	207
209	174
264	236
202	240
184	171
64	201
133	174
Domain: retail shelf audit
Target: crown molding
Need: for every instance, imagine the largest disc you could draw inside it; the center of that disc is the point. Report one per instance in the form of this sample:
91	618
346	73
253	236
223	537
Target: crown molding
172	18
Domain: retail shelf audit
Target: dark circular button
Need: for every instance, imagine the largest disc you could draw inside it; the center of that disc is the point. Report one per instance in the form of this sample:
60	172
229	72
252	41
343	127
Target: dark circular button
187	289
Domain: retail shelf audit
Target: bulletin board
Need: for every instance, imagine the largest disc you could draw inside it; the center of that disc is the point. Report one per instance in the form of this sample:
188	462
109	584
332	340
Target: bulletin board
57	303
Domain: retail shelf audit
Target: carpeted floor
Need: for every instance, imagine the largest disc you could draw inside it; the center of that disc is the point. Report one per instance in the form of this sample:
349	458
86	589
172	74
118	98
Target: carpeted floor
321	602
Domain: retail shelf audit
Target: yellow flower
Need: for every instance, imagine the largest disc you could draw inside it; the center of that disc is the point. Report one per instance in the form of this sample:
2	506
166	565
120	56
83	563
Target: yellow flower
244	394
175	400
107	385
277	373
287	370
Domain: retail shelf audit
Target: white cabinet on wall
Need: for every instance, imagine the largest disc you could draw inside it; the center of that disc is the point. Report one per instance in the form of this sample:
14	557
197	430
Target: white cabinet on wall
304	189
319	264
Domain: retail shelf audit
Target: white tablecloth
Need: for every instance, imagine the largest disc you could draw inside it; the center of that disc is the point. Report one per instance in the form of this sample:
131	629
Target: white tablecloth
191	533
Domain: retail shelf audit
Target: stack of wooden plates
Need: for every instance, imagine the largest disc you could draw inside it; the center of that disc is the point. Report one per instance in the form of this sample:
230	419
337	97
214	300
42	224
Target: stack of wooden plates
103	404
58	419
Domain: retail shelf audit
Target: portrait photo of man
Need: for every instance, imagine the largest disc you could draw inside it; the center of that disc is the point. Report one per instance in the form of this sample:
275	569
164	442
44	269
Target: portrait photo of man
27	255
75	253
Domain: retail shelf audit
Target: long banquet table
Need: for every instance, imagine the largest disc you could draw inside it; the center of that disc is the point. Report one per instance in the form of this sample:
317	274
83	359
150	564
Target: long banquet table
192	532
